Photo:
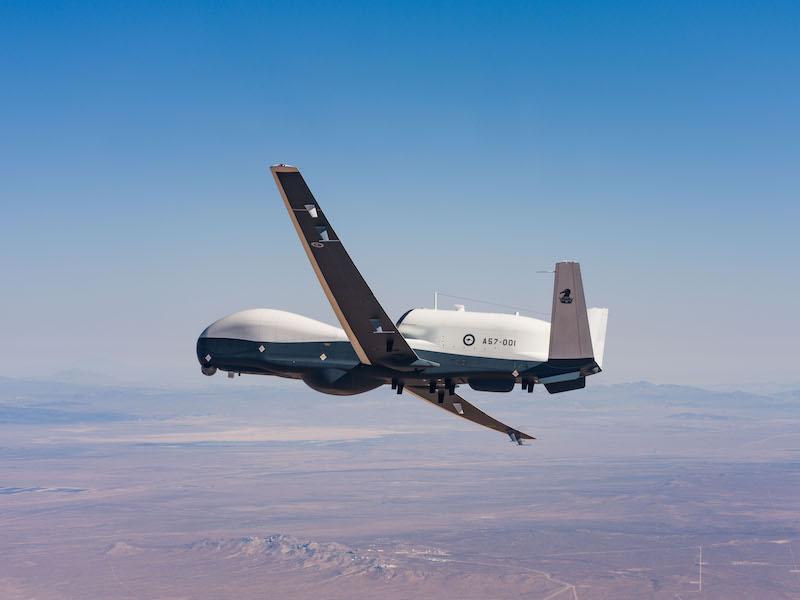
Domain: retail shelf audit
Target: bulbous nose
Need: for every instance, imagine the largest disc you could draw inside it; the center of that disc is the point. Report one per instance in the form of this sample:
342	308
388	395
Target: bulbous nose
230	344
204	355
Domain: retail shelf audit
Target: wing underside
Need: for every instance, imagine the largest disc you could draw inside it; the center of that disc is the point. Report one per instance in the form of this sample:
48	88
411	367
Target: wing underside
372	333
456	405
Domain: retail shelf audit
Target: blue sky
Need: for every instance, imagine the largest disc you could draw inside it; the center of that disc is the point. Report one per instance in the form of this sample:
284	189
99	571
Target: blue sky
454	146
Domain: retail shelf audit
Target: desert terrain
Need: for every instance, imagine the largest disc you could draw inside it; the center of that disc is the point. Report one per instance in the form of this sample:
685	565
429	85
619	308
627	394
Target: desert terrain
262	489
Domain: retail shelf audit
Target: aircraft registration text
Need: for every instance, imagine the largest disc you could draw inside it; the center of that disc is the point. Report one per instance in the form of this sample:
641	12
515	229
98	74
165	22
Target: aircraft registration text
489	341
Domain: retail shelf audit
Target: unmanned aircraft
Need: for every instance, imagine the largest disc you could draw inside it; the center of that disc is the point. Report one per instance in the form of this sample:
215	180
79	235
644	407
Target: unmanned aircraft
427	352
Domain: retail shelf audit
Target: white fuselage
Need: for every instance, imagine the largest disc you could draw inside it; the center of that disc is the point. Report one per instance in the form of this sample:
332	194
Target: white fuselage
489	335
478	334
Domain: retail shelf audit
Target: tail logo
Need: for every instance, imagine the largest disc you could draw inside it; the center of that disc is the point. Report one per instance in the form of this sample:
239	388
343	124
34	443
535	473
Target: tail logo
565	297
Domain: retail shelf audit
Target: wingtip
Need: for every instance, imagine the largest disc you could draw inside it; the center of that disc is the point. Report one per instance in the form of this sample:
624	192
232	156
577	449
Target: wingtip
517	436
282	168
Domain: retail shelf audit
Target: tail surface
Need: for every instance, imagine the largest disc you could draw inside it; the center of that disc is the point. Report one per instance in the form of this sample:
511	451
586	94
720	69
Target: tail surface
598	320
570	336
577	335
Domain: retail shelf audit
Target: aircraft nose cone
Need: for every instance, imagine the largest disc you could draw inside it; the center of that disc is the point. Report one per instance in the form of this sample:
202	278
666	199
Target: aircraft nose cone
205	356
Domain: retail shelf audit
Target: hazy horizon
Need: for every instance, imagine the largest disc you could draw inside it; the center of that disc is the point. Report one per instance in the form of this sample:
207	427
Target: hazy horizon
100	379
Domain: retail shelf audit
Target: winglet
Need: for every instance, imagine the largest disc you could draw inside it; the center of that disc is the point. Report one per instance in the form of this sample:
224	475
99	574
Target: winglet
515	437
282	168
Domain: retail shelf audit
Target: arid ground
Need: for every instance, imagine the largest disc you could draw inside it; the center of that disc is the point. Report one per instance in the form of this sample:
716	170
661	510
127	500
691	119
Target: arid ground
264	489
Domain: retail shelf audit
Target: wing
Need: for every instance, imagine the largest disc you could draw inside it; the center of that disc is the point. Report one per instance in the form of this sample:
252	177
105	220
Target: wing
372	333
456	405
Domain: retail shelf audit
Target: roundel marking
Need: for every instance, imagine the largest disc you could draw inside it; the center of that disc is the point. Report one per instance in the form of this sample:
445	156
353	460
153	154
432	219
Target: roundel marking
318	244
469	339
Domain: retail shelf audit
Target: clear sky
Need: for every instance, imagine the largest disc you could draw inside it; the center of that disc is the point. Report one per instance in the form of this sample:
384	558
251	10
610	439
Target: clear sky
458	146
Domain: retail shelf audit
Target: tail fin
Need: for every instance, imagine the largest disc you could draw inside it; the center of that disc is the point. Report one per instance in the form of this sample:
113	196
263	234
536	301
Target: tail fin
570	337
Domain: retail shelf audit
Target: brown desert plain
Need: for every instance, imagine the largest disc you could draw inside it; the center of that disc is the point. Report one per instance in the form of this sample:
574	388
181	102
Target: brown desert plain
255	489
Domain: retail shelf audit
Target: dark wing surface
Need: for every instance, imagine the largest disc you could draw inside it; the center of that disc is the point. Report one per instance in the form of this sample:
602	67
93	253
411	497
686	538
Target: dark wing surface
372	333
456	405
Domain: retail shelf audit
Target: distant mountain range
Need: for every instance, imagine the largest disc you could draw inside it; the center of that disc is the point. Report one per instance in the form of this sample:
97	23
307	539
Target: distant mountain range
50	400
